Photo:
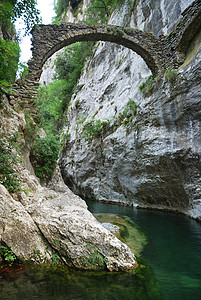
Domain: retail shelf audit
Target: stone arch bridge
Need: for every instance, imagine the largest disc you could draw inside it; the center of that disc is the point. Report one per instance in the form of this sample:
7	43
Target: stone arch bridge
159	54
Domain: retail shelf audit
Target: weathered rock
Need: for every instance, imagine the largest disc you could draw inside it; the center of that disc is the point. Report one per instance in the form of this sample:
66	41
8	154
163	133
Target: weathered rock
78	237
156	162
45	225
18	229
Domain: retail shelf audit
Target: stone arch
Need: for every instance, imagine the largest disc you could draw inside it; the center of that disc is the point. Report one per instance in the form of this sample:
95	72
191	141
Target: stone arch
48	39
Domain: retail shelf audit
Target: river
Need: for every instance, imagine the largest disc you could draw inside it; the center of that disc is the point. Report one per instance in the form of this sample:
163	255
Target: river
173	253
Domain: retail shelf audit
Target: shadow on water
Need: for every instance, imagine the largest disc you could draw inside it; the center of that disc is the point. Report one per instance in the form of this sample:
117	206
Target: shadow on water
46	283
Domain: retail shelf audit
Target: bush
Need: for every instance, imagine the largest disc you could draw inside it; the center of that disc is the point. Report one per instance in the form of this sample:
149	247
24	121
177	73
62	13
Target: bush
7	254
54	98
61	5
147	87
9	55
94	128
99	11
44	155
51	103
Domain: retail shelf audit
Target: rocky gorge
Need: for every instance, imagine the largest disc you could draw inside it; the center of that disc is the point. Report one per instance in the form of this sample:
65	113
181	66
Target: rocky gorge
153	159
146	154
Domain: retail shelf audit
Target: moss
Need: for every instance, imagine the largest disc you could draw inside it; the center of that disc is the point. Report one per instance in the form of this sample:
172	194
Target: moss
130	233
93	261
128	30
120	32
171	75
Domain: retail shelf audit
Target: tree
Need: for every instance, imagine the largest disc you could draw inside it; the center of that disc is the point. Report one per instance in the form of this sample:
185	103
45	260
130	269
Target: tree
10	10
100	10
61	5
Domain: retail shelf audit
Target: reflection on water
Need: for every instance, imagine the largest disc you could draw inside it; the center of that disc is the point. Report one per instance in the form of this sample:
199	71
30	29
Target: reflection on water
58	284
173	253
173	250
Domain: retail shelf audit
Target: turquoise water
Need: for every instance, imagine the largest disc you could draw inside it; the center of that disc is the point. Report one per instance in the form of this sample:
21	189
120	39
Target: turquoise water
173	253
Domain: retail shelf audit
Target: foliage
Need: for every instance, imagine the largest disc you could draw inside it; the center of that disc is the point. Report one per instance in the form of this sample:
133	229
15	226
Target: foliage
22	69
94	128
6	11
9	55
100	10
44	155
61	5
70	63
147	87
51	103
7	254
129	112
128	30
7	174
24	9
171	75
54	98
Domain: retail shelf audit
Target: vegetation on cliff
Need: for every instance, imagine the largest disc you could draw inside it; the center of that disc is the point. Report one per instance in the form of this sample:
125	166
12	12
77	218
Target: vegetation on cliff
10	10
54	99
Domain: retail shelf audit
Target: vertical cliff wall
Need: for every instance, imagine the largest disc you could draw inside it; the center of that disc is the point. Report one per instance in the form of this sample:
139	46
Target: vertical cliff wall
154	159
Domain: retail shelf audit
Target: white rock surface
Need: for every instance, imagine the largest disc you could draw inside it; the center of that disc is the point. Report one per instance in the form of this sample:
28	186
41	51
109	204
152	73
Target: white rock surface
41	224
156	163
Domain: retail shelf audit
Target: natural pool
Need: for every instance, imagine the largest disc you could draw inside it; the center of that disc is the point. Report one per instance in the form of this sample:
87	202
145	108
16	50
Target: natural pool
173	252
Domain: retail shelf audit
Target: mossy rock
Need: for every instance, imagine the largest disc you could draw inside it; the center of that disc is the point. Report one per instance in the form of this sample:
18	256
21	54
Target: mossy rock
129	233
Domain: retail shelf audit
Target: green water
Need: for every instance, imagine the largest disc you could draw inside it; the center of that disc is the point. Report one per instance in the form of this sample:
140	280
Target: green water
173	253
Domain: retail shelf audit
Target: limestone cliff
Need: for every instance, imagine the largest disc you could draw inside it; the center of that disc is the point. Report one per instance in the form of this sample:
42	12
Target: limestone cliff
154	159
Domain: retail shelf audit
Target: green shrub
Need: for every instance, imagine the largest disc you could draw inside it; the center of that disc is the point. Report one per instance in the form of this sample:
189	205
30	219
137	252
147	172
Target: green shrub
120	32
99	11
95	128
147	86
128	30
44	155
51	103
31	129
129	112
127	116
9	55
61	5
69	66
7	254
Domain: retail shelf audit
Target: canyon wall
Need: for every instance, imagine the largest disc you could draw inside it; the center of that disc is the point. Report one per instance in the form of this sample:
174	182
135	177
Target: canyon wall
152	160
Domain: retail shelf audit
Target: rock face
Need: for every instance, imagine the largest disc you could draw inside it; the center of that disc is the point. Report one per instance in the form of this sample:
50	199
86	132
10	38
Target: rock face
154	161
51	224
